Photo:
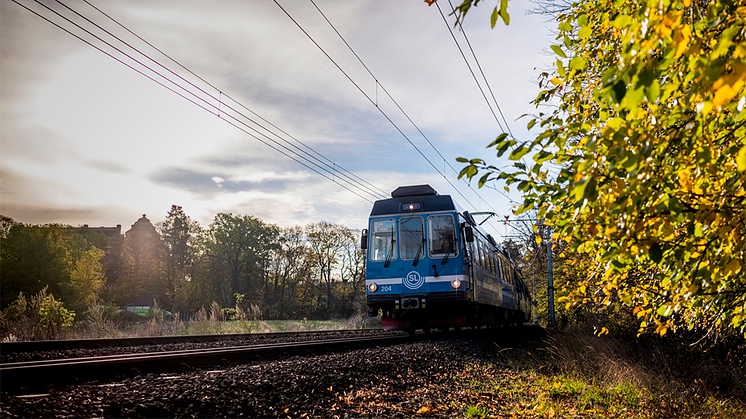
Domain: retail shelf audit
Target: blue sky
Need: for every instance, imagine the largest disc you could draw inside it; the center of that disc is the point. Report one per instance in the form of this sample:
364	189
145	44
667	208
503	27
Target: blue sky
86	140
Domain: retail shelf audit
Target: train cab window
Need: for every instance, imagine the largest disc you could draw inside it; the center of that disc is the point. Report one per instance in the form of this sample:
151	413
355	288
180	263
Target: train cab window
383	240
441	232
411	237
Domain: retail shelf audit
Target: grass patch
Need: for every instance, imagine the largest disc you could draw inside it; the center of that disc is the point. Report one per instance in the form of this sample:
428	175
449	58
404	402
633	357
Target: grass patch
574	374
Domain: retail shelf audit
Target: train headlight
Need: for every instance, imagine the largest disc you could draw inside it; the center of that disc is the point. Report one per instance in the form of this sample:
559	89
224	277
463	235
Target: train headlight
373	287
455	283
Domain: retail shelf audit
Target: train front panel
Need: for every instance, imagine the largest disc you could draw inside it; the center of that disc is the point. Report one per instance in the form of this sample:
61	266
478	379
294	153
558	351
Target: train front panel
415	265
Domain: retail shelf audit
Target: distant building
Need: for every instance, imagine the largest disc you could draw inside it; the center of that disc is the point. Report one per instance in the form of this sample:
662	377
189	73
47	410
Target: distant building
108	231
143	226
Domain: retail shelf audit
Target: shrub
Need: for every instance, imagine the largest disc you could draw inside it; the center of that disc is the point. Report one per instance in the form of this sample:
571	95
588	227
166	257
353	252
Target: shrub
40	317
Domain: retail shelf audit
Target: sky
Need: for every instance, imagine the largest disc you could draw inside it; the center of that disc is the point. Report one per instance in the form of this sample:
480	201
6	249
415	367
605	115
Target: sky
85	139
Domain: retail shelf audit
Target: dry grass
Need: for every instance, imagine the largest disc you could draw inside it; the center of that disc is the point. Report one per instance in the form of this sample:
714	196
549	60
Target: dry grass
677	379
572	373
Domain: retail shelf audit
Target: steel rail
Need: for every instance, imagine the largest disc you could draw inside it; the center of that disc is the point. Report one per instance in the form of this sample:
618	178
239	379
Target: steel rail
36	375
57	345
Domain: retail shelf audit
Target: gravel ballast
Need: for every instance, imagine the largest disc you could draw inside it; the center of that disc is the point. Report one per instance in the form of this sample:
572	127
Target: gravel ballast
396	381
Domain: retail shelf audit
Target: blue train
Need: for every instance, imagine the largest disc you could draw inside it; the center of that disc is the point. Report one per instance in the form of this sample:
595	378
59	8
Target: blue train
430	265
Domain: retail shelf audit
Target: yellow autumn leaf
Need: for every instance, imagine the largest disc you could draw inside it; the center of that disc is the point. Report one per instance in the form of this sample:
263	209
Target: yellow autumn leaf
681	38
723	95
685	180
733	266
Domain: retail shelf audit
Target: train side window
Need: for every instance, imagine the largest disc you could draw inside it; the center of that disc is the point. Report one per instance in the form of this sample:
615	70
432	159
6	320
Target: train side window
411	236
441	232
481	253
383	240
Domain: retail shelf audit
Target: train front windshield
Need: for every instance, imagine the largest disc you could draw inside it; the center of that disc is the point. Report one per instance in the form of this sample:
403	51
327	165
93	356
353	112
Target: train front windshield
383	242
413	238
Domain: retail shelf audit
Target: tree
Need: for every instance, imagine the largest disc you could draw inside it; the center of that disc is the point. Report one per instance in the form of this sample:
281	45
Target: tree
327	241
86	280
179	233
649	138
292	263
238	248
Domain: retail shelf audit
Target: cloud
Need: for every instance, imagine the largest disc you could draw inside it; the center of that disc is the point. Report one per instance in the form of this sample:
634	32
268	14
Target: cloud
108	166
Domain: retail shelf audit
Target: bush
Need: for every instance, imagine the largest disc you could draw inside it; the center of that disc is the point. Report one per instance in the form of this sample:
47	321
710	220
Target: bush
40	317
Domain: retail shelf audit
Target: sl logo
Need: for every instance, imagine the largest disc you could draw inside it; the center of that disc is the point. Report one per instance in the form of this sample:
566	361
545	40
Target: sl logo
414	280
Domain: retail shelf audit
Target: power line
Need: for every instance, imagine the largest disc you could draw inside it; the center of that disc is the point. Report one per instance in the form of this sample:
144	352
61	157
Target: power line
375	103
463	32
342	169
378	83
385	115
304	161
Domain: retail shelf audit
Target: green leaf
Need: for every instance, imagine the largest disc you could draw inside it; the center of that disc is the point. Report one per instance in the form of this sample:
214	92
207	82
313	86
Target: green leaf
543	156
579	189
741	159
558	50
493	18
653	91
585	32
462	160
498	140
665	310
519	152
561	69
504	12
618	91
531	123
634	97
564	26
577	63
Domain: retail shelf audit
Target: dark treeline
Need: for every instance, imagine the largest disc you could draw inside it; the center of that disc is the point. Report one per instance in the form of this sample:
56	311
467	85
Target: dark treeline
314	271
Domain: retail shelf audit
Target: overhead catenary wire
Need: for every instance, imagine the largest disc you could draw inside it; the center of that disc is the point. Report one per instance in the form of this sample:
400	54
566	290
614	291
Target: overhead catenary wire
229	96
171	89
336	167
378	83
479	66
374	102
293	155
220	107
385	115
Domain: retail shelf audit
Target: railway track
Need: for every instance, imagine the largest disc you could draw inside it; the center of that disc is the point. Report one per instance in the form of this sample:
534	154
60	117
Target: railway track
39	375
7	348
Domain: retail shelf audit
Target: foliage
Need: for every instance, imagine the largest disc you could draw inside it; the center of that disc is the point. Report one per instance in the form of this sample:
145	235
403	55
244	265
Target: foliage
238	247
255	269
86	279
179	233
648	135
52	256
40	317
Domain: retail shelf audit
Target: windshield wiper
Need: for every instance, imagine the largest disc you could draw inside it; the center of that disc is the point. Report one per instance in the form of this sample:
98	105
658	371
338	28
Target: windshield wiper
390	254
448	253
419	251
